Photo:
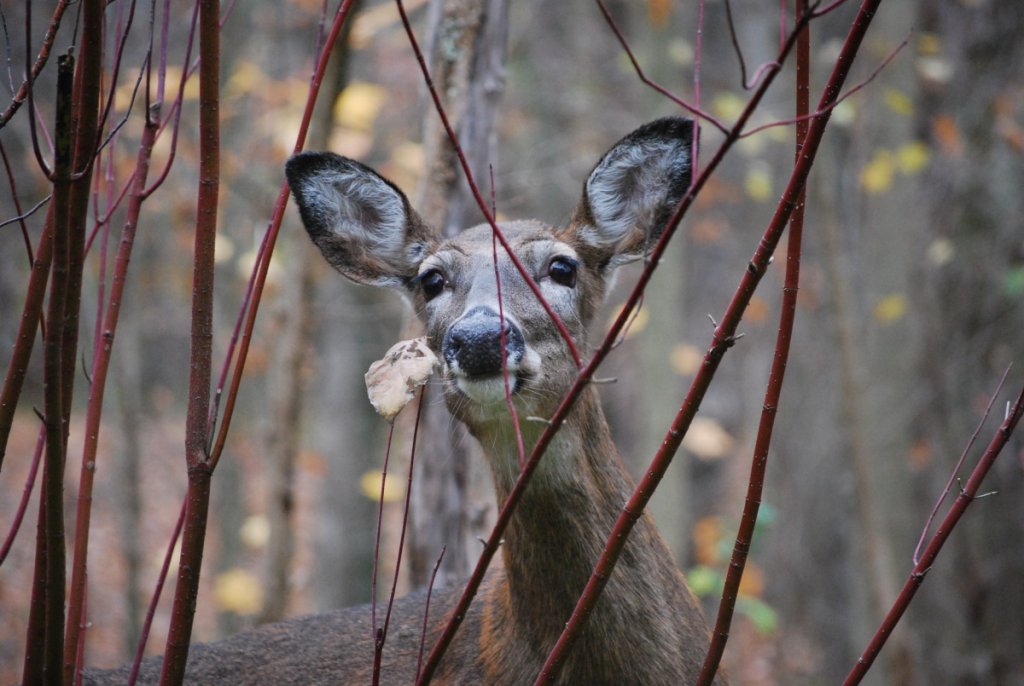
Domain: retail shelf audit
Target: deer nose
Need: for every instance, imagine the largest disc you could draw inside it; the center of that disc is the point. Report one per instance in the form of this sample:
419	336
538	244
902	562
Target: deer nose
472	346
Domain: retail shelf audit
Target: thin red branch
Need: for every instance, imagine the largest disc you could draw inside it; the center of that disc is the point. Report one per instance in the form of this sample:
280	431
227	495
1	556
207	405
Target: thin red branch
773	392
426	611
147	623
376	636
26	494
967	495
197	427
383	635
723	339
693	109
106	330
31	321
53	380
38	64
956	469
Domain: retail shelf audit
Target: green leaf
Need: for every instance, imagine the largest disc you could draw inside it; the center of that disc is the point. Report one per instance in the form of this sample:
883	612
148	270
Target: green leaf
760	613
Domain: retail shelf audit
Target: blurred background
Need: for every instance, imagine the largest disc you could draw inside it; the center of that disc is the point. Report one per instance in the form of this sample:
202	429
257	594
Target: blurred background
910	309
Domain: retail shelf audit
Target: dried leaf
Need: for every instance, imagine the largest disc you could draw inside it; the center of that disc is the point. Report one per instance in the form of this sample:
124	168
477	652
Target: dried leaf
390	382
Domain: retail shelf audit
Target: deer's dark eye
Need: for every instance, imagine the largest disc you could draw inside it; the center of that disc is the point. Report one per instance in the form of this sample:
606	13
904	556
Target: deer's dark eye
563	271
432	283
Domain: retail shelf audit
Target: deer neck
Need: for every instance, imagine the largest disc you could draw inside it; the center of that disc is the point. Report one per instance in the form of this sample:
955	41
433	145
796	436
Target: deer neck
563	519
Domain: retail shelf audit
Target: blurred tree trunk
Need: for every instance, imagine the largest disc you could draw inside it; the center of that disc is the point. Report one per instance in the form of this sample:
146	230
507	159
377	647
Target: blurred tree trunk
288	373
970	295
466	46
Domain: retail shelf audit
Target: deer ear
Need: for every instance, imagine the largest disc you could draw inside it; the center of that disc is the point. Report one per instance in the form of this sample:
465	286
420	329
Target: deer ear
633	189
362	223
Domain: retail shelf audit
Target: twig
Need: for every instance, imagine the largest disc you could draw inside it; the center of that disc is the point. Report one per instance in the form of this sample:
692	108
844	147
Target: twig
956	469
967	495
426	611
692	109
773	392
197	428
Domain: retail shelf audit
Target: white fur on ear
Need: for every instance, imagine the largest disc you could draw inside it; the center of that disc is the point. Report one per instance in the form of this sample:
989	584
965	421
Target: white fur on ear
357	205
359	220
633	189
630	186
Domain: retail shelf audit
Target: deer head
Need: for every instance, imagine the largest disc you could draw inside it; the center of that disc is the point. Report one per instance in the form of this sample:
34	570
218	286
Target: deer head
366	228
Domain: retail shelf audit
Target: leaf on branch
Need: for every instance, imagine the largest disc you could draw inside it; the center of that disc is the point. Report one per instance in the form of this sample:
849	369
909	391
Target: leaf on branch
391	381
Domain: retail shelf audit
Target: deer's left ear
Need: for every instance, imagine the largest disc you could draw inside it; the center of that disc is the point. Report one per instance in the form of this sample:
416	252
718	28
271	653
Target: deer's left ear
633	189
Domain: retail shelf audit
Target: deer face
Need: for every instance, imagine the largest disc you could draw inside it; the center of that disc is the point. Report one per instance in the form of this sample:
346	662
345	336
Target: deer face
367	230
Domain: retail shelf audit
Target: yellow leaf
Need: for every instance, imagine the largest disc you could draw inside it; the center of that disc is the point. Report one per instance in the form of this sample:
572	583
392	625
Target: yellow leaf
727	106
912	157
898	101
686	359
238	590
759	182
369	484
891	308
358	105
929	43
876	177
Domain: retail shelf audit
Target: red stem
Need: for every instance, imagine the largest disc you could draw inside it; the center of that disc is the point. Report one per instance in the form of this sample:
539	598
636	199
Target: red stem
53	575
197	428
26	494
773	392
723	339
38	64
94	408
31	320
921	569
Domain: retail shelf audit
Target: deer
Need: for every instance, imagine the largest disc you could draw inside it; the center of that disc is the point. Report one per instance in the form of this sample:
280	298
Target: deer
647	628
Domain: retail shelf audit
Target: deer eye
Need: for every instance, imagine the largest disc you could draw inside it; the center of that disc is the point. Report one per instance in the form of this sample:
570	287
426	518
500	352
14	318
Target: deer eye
562	270
432	283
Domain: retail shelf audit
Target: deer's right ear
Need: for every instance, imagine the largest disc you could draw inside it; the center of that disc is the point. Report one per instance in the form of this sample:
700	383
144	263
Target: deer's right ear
362	223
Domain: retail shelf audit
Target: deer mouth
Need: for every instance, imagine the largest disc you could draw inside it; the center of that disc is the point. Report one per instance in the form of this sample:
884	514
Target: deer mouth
484	354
